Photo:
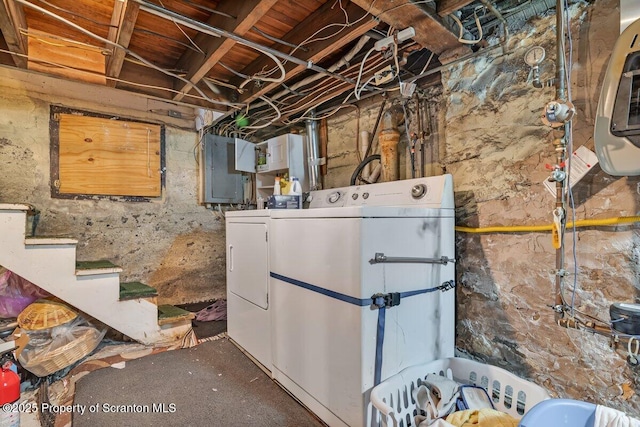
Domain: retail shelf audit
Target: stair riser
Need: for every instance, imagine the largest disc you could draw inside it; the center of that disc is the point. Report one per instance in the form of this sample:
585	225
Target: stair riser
12	228
40	262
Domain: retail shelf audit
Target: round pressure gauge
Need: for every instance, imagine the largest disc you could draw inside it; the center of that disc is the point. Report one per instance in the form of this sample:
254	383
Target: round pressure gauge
534	56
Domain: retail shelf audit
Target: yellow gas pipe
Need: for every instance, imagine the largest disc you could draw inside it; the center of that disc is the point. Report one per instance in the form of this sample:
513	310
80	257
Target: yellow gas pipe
537	228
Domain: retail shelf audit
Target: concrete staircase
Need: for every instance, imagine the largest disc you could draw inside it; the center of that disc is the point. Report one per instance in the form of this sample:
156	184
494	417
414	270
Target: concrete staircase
92	287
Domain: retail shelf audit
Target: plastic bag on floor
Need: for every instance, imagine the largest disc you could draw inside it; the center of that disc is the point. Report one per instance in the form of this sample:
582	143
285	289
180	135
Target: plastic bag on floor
16	293
215	311
50	350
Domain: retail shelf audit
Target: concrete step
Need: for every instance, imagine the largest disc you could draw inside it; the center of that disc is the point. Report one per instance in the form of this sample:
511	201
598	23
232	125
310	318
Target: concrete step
171	314
90	268
135	290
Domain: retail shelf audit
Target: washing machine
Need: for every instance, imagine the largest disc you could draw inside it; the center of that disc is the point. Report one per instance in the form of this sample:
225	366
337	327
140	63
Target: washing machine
248	316
361	287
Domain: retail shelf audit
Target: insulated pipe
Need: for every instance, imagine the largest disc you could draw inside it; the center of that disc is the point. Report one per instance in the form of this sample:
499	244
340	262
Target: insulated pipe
313	148
388	140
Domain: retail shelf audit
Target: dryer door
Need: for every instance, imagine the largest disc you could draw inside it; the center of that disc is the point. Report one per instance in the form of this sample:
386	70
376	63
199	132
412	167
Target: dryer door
247	262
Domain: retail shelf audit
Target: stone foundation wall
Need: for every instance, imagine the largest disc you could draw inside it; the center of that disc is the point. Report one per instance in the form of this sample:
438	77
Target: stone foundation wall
490	137
172	243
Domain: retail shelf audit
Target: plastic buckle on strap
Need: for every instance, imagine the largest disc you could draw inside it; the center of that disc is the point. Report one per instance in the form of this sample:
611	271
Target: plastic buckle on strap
449	284
386	300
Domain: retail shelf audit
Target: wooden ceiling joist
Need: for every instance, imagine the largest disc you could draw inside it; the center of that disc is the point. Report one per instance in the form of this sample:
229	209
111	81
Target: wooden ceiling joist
124	18
431	33
316	51
12	20
247	14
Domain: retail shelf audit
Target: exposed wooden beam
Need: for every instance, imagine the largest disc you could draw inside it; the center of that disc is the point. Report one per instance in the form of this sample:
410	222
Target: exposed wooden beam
124	17
445	7
12	19
431	33
317	50
247	13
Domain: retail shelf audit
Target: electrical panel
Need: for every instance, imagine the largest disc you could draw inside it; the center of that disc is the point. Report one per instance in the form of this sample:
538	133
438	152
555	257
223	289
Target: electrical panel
221	182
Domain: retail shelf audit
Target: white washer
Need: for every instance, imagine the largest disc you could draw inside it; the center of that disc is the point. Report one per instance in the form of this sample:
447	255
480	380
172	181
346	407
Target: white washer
324	272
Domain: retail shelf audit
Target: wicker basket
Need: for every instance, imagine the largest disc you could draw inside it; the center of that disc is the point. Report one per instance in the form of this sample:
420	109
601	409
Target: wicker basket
43	362
45	314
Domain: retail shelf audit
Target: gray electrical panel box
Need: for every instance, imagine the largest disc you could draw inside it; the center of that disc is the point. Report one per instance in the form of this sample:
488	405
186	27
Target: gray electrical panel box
222	182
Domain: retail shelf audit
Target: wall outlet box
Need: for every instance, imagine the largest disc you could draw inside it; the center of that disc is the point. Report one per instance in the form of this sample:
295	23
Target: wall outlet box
383	76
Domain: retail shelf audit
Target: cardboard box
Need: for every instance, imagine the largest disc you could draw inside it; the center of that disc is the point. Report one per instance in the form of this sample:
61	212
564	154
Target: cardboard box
284	202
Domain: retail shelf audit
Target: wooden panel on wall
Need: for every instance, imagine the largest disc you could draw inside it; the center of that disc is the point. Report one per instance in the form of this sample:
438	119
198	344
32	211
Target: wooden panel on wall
109	157
76	61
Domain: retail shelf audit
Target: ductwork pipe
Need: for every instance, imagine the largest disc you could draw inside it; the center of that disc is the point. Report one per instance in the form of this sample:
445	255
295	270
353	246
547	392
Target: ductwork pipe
313	148
388	140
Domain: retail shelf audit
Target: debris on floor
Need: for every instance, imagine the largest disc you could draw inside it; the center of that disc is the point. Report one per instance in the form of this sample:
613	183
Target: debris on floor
215	311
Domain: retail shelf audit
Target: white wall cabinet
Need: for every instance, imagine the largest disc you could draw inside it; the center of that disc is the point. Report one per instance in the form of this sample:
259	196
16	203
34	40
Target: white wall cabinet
282	154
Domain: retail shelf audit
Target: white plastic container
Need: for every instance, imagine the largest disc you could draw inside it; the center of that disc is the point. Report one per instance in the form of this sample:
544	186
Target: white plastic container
391	403
276	187
296	188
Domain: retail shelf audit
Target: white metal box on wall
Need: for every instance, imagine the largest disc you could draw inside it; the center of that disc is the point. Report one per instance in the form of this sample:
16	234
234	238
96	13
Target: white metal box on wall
282	154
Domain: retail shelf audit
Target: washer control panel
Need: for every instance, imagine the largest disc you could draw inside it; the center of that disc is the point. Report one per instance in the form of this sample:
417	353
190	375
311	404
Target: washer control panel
331	198
422	192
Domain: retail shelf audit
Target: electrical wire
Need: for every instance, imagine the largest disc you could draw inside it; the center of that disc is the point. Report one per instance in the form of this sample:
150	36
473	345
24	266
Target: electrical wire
277	40
67	11
278	115
184	33
67	42
461	38
125	49
162	36
143	85
279	65
569	136
355	89
427	64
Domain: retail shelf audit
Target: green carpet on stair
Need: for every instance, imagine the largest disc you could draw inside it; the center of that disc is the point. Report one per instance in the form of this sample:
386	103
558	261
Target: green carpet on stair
170	313
133	290
91	265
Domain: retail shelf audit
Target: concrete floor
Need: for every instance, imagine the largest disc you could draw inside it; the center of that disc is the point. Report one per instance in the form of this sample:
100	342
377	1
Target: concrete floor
212	384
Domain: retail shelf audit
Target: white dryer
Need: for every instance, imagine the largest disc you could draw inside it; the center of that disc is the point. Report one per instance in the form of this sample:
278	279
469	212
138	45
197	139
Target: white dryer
248	317
362	286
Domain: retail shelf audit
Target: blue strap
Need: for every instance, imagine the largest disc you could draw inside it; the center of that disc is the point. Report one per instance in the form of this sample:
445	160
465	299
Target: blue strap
382	309
337	295
378	301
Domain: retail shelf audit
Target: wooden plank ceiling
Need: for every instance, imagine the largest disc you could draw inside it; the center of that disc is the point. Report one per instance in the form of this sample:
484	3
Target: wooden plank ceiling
220	54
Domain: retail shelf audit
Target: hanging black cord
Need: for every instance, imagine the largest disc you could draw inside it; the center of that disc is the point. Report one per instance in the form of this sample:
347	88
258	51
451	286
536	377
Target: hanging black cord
361	166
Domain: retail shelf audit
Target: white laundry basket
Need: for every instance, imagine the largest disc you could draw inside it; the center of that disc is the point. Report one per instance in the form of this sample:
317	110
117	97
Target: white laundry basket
391	403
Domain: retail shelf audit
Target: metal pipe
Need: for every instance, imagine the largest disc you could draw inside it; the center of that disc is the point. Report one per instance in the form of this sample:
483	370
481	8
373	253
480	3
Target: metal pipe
313	148
388	140
217	32
561	91
561	155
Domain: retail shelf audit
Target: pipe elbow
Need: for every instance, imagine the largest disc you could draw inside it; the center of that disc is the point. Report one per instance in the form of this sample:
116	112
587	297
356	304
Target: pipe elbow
392	118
